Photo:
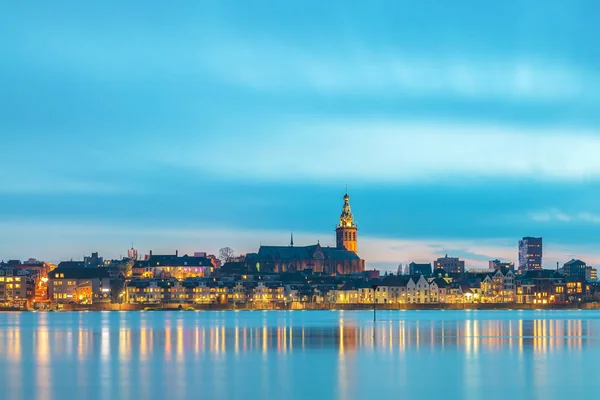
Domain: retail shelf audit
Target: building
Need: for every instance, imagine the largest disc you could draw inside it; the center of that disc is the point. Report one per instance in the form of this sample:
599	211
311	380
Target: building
132	253
152	291
341	259
530	254
575	269
451	265
497	264
419	269
591	274
79	285
541	286
93	261
172	266
346	230
17	287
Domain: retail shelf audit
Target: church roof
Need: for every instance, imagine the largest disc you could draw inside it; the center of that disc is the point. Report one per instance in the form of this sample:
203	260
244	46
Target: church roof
304	253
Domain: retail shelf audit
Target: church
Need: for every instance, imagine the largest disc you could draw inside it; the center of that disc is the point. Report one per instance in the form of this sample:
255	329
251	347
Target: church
342	259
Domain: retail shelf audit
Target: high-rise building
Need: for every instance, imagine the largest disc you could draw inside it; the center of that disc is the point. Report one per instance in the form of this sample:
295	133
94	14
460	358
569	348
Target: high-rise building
450	264
345	232
530	253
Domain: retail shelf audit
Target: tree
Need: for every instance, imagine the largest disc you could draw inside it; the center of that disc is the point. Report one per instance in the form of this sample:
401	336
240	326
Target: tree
226	254
126	267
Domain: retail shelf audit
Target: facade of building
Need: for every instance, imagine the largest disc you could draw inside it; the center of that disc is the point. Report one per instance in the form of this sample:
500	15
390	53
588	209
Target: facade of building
79	285
341	259
530	254
591	274
17	287
451	265
172	266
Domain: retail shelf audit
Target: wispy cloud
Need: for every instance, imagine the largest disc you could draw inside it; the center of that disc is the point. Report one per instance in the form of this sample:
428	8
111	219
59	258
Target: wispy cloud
555	215
398	151
277	67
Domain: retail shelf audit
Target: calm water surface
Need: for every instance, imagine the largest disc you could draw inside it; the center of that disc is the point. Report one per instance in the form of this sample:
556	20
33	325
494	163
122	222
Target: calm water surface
300	355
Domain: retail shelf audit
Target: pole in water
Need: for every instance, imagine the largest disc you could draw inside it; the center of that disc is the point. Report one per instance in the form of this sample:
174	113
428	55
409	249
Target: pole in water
374	303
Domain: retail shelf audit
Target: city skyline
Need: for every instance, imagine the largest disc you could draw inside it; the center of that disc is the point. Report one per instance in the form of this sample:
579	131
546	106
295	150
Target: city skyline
216	124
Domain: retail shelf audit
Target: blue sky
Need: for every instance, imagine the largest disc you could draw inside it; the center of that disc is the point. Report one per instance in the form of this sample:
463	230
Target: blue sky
458	129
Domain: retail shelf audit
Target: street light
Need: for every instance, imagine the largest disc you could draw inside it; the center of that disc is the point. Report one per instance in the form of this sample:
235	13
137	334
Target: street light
374	304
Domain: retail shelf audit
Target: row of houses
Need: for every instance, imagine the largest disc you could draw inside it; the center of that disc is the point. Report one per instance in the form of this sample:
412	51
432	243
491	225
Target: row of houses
157	280
500	286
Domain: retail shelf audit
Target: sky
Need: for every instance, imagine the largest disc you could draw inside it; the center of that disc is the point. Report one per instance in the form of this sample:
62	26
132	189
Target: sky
459	128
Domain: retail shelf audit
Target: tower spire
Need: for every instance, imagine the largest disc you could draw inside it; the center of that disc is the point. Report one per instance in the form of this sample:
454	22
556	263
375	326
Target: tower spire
292	239
346	229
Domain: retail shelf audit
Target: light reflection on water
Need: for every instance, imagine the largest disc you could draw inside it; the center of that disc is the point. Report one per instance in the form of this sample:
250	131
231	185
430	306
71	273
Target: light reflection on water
294	354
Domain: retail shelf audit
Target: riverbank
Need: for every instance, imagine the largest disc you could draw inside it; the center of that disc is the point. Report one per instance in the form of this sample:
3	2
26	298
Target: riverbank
310	306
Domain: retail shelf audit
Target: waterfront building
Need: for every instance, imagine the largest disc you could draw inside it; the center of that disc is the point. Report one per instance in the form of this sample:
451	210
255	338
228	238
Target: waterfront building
440	287
418	290
419	269
38	272
17	287
268	292
149	291
342	259
452	265
530	254
172	266
541	287
79	285
347	294
393	289
577	289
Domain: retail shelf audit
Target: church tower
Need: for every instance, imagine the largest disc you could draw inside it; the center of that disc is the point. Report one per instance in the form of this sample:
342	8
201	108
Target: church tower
345	232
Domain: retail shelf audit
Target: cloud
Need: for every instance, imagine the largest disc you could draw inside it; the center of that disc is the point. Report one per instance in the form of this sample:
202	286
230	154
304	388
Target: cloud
279	67
383	150
555	215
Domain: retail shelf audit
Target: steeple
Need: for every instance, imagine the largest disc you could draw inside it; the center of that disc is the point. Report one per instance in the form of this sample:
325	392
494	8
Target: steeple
345	231
346	218
292	239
